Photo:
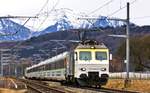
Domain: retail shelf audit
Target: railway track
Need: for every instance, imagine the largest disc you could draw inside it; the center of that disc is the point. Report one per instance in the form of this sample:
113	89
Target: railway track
108	90
41	87
102	90
97	90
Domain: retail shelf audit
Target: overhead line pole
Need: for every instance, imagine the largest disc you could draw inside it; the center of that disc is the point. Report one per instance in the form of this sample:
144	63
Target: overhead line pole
127	81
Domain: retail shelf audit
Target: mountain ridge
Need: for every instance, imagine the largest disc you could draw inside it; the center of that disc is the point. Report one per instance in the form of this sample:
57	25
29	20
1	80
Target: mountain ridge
61	20
11	30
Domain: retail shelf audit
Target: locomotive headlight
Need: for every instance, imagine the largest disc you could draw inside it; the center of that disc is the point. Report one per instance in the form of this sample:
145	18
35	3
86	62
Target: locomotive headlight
92	47
83	69
103	69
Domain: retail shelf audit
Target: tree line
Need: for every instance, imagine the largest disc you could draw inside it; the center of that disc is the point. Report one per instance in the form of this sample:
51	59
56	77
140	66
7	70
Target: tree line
139	53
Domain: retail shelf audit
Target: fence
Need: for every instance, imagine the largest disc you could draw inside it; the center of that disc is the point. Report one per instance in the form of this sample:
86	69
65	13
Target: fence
133	75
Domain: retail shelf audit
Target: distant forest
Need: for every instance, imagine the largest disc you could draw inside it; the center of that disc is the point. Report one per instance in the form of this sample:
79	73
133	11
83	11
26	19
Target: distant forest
139	53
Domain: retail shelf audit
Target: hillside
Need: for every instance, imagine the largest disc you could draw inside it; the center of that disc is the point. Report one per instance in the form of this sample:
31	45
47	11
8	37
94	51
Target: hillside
42	48
12	31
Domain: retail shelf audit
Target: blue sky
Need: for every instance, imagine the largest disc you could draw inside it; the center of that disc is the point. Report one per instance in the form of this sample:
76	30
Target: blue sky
139	9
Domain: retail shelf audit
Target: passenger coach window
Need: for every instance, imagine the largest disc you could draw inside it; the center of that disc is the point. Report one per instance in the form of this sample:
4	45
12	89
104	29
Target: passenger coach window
101	56
85	55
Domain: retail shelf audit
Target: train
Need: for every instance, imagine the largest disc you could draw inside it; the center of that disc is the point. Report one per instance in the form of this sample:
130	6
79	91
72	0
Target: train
86	65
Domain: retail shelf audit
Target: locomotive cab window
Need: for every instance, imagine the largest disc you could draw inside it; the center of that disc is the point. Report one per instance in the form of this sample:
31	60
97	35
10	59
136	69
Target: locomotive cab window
85	55
101	55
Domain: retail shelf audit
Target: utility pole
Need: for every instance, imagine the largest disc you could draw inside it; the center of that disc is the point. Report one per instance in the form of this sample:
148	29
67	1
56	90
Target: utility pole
1	64
127	81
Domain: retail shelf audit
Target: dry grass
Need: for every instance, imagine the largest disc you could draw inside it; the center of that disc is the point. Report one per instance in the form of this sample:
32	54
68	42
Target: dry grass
3	90
142	86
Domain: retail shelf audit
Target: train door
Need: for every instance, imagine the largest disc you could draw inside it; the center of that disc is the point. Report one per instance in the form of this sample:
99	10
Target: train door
70	66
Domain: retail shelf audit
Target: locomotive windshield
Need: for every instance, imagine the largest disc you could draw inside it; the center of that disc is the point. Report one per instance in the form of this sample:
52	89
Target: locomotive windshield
101	55
85	55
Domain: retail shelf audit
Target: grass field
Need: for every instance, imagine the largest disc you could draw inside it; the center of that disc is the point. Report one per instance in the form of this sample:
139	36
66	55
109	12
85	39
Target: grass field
4	90
142	86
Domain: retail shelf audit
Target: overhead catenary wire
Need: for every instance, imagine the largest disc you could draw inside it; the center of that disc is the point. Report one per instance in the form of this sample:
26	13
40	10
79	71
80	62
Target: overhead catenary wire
48	15
17	29
20	42
107	3
118	10
22	17
21	26
38	14
109	15
142	17
42	8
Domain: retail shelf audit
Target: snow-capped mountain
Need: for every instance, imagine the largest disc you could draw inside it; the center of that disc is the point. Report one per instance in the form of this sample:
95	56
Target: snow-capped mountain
104	22
9	30
65	19
55	20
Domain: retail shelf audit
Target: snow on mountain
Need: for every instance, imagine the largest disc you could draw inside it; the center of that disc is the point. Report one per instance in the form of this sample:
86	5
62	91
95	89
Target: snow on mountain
56	20
65	19
9	30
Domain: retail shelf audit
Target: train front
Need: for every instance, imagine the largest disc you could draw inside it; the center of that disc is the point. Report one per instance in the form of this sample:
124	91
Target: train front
91	63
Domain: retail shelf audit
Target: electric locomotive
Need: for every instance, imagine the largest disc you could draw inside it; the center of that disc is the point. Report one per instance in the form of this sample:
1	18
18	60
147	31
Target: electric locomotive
86	65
